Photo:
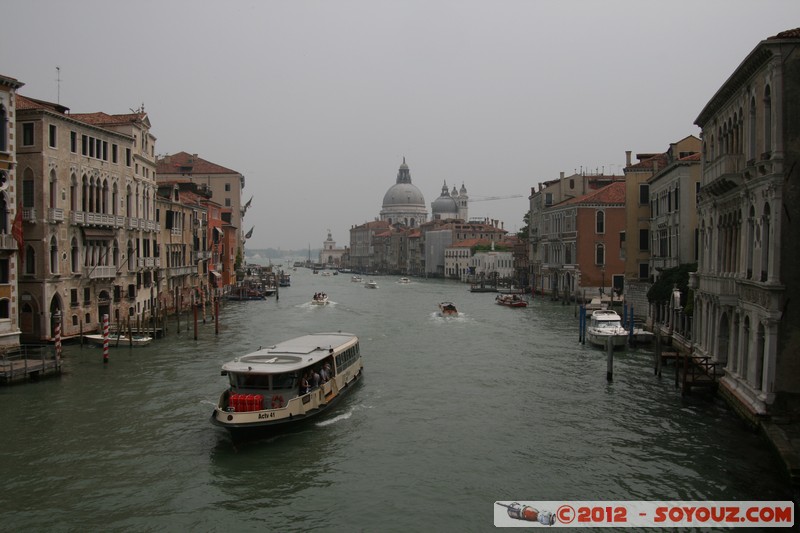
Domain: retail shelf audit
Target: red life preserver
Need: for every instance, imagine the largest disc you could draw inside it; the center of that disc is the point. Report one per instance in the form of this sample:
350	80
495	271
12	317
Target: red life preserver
277	401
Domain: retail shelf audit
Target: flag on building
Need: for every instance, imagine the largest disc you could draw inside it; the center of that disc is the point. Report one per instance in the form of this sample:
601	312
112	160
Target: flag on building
16	232
248	203
249	233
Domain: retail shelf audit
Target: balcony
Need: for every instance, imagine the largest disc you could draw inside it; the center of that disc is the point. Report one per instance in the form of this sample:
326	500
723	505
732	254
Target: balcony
100	271
725	166
85	218
181	271
55	215
7	242
724	288
148	262
29	214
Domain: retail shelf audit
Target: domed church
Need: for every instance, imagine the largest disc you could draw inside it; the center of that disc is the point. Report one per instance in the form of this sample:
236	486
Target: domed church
403	203
450	204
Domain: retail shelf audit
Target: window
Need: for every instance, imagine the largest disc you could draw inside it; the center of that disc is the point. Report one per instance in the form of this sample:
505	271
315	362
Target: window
227	202
227	187
600	222
644	193
644	239
3	129
73	297
600	254
73	142
127	157
114	154
767	123
4	309
548	198
30	260
87	295
84	145
51	137
27	134
644	270
4	276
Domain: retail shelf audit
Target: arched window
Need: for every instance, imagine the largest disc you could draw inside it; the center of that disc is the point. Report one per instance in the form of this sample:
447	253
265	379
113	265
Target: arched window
767	120
114	199
3	129
53	256
760	340
600	222
73	192
751	144
129	202
28	189
765	229
744	367
600	254
75	255
751	236
131	258
3	213
30	260
84	193
53	190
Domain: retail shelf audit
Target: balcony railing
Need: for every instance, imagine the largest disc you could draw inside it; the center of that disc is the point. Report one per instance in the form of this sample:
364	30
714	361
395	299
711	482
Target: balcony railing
29	214
100	271
148	262
55	215
7	242
725	165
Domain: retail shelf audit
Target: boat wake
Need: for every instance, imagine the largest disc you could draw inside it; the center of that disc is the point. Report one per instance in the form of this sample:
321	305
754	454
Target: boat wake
338	418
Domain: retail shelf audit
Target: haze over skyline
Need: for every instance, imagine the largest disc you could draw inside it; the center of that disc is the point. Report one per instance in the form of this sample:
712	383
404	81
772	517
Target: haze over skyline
316	103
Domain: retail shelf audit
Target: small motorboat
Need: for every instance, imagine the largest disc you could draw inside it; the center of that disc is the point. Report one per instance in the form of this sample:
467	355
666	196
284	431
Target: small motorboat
448	309
511	300
320	298
606	326
404	280
371	285
356	279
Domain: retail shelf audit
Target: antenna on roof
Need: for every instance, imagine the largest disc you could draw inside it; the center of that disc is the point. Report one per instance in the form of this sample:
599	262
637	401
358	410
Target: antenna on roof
58	84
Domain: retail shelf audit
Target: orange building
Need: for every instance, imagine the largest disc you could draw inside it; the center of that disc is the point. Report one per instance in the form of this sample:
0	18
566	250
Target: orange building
582	240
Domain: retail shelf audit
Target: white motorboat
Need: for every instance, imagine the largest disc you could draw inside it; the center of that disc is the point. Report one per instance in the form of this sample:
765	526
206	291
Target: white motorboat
448	309
320	298
403	280
605	325
356	279
371	285
115	340
271	387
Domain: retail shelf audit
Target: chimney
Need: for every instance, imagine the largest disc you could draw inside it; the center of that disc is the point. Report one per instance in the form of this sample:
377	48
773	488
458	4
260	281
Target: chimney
627	158
561	174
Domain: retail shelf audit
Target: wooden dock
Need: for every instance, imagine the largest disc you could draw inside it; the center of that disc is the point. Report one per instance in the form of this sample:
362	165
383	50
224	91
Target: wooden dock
29	363
691	371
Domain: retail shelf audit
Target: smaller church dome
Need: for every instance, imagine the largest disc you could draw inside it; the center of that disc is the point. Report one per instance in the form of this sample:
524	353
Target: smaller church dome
444	206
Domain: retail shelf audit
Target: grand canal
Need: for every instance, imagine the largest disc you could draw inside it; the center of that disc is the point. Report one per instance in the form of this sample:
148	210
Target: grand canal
453	414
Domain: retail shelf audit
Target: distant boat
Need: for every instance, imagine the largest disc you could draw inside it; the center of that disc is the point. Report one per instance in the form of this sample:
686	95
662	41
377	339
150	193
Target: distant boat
320	299
356	279
371	285
403	280
121	340
448	309
510	300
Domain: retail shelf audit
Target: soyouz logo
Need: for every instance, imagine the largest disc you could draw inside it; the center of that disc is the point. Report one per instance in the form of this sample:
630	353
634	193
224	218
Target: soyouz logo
644	514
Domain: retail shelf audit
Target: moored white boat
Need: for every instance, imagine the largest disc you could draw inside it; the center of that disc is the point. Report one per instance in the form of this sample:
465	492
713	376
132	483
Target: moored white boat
271	387
603	325
448	309
121	340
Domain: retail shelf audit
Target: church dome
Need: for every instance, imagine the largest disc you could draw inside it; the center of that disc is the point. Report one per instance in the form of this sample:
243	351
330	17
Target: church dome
403	203
444	206
403	194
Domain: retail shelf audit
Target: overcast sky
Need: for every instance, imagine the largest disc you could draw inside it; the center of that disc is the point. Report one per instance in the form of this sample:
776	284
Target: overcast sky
317	102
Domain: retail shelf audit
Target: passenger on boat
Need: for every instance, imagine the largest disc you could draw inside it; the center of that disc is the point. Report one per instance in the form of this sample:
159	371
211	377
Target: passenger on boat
304	388
323	373
315	379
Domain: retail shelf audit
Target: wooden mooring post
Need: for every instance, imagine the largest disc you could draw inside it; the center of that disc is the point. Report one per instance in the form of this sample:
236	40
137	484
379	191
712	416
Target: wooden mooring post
609	359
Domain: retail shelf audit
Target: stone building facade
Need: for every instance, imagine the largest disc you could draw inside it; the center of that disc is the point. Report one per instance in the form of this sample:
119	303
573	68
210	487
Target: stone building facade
747	293
88	191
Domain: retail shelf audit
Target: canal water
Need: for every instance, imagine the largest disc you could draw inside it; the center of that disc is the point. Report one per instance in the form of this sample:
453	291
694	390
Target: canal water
453	414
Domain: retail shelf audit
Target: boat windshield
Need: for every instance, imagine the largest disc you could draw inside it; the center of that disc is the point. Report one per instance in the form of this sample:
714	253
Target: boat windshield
287	380
609	324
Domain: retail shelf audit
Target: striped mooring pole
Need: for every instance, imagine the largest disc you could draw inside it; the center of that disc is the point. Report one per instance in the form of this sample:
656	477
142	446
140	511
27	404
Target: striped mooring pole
105	338
58	338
